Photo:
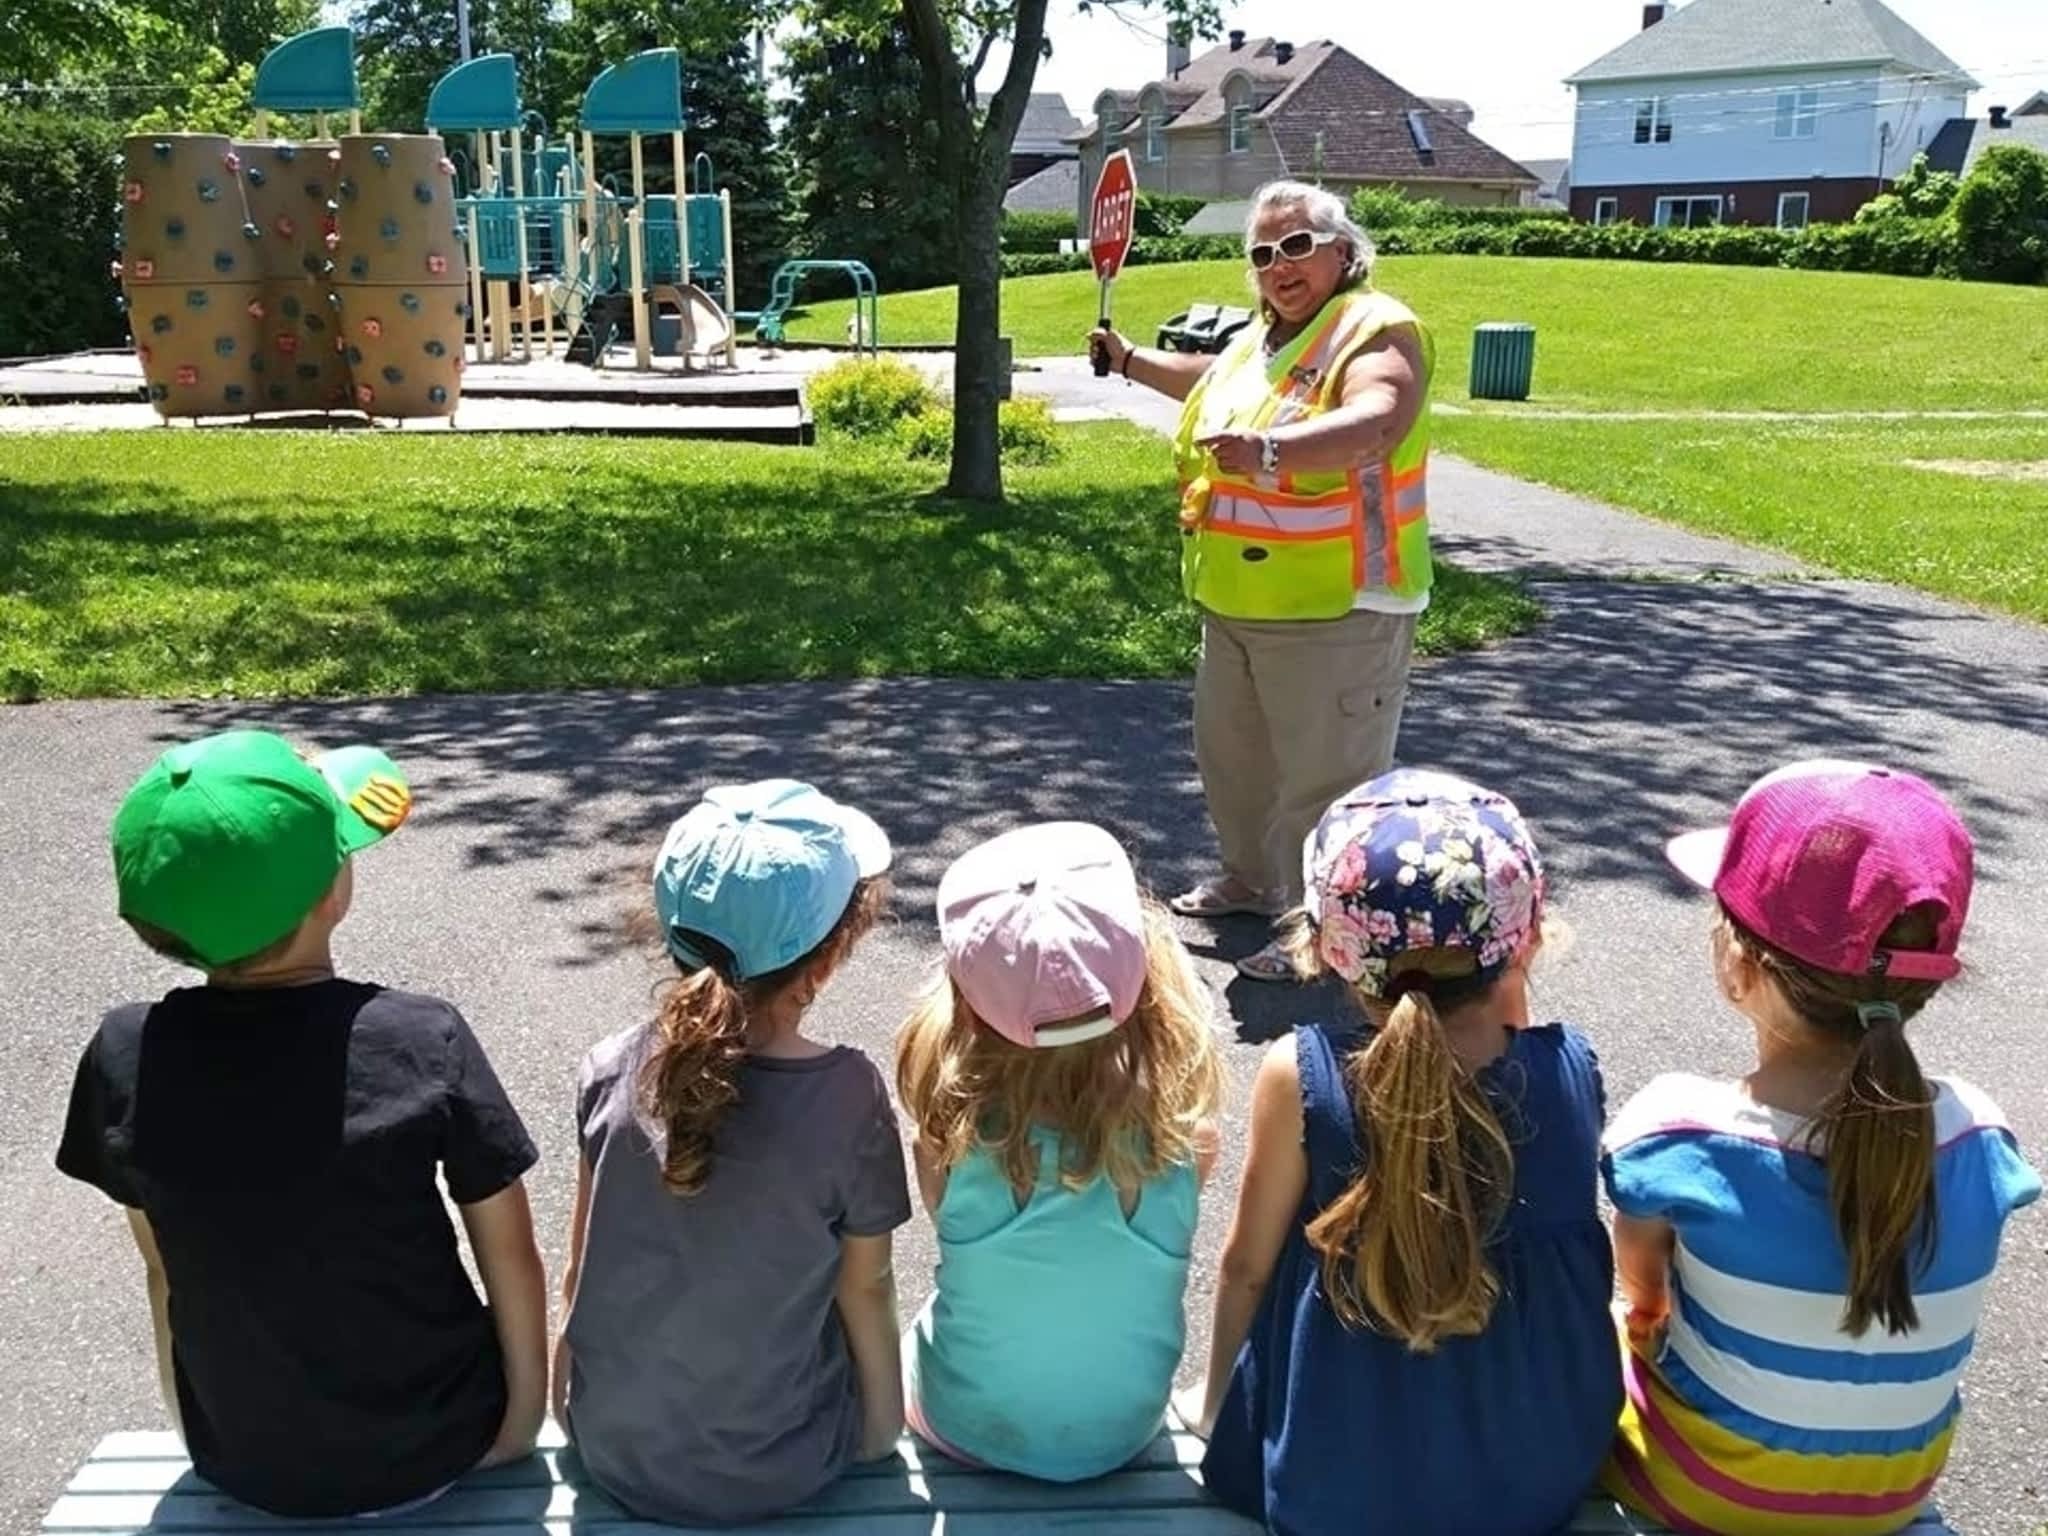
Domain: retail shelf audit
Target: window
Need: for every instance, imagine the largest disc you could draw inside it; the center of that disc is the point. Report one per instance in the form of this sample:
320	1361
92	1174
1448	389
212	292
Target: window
1798	114
1155	134
1688	212
1653	120
1606	210
1792	209
1418	130
1240	127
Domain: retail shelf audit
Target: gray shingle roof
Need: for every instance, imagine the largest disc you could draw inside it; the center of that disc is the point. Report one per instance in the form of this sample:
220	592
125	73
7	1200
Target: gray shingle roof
1716	37
1056	189
1962	141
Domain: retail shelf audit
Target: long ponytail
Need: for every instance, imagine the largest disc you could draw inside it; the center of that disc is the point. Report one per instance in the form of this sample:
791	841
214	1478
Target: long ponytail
1403	1248
1876	1134
689	1077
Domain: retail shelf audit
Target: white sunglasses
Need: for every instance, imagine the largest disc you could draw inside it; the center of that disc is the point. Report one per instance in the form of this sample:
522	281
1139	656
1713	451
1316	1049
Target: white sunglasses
1294	247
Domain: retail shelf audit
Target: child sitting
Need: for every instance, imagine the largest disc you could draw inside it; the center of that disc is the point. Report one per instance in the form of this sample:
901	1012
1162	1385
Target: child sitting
1412	1328
731	1343
276	1134
1061	1079
1805	1251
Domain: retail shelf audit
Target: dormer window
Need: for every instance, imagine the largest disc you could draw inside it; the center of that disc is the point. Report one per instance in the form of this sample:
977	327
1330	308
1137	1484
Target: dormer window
1238	97
1152	113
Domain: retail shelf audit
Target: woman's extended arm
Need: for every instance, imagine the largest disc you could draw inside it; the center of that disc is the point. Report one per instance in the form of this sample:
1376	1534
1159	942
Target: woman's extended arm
1173	374
1379	399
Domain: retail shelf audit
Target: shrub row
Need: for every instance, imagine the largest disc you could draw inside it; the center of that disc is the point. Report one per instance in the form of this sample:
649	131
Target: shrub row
887	398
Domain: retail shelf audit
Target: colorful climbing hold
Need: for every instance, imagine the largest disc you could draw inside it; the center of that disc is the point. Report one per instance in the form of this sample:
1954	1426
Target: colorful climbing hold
354	356
254	176
287	153
159	392
365	396
195	298
381	153
187	374
422	193
447	166
285	227
437	396
287	343
373	328
388	229
437	264
132	193
409	302
143	270
462	309
359	267
232	394
232	161
114	270
252	231
256	310
347	189
174	229
393	375
161	149
159	324
224	346
223	261
208	192
436	349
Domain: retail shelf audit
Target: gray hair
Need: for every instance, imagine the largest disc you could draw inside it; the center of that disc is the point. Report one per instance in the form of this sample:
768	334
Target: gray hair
1325	213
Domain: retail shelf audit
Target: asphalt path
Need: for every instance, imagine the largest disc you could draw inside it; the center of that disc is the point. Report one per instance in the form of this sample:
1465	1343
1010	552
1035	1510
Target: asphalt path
1672	670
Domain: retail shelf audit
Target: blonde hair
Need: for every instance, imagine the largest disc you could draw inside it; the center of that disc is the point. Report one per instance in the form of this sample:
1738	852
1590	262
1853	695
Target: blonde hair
1128	1104
1876	1133
690	1075
1403	1248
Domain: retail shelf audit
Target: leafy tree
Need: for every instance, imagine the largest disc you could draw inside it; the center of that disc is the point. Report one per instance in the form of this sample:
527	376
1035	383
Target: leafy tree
2001	216
952	40
867	166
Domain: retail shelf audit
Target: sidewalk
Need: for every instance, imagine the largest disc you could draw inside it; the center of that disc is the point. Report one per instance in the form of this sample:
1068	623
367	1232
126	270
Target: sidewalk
1674	668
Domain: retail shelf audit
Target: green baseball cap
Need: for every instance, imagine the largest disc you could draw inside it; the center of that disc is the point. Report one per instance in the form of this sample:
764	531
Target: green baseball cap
226	843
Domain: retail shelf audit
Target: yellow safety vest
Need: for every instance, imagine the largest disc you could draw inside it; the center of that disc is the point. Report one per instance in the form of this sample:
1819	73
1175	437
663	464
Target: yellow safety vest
1301	546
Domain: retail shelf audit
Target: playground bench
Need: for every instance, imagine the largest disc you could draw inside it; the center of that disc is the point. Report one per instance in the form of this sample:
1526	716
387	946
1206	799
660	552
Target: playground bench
141	1482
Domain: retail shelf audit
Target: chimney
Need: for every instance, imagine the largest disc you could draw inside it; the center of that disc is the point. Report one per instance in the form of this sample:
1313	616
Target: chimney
1998	117
1283	53
1653	12
1237	40
1176	53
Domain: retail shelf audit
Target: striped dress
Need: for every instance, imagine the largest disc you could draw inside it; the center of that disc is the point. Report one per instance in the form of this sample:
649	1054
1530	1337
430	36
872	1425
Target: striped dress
1757	1414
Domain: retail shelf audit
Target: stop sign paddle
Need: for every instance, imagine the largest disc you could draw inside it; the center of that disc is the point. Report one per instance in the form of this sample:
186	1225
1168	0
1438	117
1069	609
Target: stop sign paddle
1109	232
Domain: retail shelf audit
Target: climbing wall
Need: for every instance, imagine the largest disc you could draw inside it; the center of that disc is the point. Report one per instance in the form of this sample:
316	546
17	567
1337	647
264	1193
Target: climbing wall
289	190
290	277
191	275
400	274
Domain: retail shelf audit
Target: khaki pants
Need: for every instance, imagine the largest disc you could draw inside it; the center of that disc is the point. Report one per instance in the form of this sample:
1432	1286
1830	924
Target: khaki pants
1289	715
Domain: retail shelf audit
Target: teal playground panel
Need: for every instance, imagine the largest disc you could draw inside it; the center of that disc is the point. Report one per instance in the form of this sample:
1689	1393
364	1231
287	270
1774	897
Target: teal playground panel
705	213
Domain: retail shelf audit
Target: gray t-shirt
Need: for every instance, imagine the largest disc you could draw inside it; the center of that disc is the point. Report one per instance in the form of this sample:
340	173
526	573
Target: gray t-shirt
709	1378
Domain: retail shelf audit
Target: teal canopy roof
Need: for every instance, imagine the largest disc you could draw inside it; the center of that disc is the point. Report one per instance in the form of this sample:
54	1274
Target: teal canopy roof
642	95
481	96
313	72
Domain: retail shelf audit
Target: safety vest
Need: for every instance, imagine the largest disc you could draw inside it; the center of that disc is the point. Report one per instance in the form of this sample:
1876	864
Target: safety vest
1301	546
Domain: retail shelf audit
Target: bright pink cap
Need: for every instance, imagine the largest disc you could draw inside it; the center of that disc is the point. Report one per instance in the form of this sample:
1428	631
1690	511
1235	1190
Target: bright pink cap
1821	857
1043	926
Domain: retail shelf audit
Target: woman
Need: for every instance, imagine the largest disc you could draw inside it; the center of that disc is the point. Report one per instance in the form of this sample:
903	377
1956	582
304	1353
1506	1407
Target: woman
1302	454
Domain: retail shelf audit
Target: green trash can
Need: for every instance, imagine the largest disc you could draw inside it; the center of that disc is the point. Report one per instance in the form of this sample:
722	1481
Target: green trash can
1503	361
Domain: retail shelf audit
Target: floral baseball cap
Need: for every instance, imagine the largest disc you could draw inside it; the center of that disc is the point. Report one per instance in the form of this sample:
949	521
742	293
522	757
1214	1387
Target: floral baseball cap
1417	859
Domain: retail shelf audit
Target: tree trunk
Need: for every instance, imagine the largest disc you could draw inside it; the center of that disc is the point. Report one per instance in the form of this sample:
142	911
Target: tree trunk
977	472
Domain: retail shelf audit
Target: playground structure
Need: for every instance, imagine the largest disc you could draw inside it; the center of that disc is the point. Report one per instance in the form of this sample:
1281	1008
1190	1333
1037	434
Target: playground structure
354	272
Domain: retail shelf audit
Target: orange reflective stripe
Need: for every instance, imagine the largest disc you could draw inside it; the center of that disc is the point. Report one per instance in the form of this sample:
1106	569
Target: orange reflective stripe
1357	533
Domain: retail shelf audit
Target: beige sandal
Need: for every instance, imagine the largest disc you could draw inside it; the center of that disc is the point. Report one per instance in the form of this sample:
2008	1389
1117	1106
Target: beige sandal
1208	900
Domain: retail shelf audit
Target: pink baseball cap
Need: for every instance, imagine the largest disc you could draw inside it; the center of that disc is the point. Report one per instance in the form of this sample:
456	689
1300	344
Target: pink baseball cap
1822	856
1043	927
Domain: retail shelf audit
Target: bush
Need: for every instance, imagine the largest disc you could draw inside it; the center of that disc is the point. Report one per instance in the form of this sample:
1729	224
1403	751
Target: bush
1038	233
1388	208
865	397
1160	215
60	195
2001	217
1025	433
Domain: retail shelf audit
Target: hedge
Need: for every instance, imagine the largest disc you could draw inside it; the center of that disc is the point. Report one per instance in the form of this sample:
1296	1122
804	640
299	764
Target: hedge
1038	233
1146	251
60	191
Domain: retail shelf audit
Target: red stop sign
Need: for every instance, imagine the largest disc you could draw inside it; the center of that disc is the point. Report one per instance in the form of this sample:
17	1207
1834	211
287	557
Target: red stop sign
1110	218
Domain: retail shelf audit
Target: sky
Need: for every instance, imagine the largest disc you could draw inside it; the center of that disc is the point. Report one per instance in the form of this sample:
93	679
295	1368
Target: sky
1508	58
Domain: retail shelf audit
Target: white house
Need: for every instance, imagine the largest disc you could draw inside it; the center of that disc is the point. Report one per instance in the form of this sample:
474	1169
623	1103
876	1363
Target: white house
1756	112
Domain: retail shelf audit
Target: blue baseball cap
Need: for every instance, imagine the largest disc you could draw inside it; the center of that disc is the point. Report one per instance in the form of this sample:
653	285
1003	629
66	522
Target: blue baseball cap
765	869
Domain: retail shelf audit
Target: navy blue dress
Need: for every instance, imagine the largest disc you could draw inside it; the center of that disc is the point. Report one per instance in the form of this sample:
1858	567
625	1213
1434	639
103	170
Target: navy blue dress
1327	1429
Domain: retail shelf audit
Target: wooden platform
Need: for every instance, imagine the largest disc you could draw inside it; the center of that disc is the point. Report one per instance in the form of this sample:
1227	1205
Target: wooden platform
141	1481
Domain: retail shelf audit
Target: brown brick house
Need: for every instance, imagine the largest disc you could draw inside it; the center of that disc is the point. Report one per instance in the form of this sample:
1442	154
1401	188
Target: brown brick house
1254	109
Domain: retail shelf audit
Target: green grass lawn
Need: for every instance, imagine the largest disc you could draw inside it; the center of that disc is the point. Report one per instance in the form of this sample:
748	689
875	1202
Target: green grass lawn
264	563
1844	496
1612	335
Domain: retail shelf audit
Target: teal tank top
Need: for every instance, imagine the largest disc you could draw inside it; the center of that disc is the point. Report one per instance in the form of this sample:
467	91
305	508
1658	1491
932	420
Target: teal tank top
1049	1345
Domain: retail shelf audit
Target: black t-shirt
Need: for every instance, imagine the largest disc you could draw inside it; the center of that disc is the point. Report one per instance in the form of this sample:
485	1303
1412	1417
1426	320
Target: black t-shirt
331	1353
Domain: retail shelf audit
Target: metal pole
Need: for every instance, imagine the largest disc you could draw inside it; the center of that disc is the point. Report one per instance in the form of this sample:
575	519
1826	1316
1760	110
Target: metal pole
731	280
462	28
635	231
525	277
476	283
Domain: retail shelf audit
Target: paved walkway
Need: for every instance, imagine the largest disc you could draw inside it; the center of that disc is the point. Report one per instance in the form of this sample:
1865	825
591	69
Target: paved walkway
1673	669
